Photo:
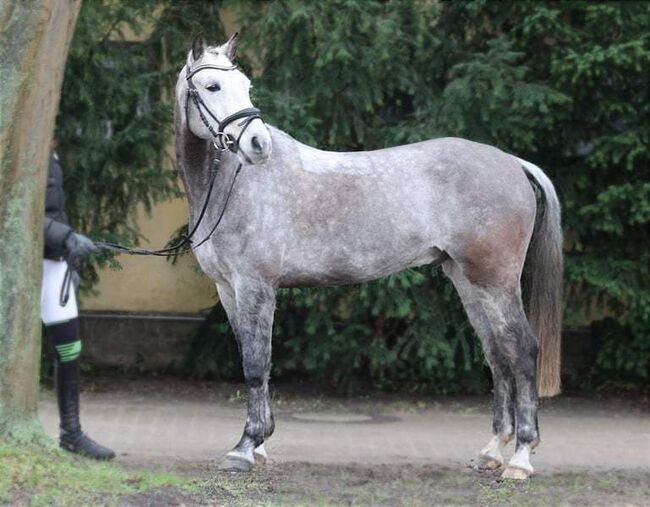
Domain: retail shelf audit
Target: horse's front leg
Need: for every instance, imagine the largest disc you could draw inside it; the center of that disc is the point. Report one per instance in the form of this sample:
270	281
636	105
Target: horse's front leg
253	307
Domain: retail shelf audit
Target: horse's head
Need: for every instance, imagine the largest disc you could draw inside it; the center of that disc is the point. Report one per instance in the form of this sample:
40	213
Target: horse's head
215	102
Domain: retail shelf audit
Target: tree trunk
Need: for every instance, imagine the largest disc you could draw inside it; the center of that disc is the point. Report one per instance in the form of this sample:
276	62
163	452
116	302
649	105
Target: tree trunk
34	40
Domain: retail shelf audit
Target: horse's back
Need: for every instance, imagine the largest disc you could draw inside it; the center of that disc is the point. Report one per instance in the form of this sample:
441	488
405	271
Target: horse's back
449	173
448	158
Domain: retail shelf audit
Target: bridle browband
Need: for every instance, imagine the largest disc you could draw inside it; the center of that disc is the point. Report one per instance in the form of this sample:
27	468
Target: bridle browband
222	140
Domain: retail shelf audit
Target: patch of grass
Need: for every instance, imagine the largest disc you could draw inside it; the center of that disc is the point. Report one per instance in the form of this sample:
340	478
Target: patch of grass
38	476
24	431
234	490
42	476
505	493
578	488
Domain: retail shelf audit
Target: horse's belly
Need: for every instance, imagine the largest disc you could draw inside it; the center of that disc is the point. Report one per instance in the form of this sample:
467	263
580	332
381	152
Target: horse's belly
351	265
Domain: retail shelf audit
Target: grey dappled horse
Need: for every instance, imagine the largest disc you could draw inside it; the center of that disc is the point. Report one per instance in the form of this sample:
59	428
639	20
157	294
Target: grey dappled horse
298	216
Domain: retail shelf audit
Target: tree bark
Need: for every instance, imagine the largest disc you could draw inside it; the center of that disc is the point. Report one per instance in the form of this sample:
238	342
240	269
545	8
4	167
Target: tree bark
34	40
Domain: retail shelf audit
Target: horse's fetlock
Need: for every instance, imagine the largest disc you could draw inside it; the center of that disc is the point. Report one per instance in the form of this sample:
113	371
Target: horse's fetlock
526	434
507	433
270	428
255	375
255	434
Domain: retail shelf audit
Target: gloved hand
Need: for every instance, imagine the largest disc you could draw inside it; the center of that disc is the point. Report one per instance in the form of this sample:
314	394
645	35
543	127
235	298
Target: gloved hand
79	246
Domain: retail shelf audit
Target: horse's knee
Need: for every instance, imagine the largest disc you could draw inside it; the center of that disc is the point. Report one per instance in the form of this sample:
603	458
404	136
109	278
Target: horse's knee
255	374
256	363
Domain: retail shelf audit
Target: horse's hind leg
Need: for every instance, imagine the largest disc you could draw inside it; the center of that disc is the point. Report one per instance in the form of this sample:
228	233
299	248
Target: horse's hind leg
491	456
500	299
250	310
519	345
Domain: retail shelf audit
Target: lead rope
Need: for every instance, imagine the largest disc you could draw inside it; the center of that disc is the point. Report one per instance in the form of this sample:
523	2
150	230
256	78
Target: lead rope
186	239
64	295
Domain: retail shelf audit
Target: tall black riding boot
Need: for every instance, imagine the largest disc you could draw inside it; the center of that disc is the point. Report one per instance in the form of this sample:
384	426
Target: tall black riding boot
67	391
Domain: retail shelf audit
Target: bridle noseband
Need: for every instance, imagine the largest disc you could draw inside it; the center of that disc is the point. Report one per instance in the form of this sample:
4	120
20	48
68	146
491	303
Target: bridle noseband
222	140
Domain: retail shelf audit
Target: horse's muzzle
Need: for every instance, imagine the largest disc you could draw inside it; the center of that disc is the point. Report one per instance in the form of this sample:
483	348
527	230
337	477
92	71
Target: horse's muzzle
255	143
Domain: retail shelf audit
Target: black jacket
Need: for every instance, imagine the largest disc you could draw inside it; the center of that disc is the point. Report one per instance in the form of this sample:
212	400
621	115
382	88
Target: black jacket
57	227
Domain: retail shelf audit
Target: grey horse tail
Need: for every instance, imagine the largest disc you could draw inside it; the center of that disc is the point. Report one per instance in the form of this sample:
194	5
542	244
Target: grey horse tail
543	281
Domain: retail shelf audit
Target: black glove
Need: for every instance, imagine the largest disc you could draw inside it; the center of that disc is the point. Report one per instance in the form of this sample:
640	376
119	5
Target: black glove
56	233
78	246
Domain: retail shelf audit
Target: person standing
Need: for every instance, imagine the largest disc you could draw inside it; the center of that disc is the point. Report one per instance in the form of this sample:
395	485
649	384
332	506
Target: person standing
64	248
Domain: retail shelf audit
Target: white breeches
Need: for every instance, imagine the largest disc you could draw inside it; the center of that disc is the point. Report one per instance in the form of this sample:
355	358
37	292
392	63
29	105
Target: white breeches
51	309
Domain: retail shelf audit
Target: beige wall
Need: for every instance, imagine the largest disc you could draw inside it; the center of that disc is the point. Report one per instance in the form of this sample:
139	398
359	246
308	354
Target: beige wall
154	284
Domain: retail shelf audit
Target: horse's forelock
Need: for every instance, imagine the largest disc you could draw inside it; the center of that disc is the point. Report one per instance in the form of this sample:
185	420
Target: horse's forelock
211	51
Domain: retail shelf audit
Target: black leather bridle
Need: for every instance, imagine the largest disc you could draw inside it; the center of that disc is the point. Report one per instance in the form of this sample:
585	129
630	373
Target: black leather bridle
222	140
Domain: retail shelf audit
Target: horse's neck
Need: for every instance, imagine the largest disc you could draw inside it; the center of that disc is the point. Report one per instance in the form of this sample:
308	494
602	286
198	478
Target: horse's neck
191	156
195	160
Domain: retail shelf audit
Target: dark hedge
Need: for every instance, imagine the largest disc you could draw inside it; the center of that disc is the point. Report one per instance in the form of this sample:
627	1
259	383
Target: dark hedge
562	84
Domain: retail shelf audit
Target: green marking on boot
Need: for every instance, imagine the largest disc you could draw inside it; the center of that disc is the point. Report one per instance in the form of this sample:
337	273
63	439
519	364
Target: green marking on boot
69	351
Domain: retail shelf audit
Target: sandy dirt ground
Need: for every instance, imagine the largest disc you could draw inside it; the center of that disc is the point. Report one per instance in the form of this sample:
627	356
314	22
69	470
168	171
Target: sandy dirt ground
185	426
189	422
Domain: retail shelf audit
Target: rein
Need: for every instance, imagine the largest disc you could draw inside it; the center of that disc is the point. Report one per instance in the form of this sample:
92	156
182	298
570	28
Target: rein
64	295
186	238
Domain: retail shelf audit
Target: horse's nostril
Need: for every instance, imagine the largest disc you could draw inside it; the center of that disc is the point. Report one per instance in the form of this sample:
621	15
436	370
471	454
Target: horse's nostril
255	141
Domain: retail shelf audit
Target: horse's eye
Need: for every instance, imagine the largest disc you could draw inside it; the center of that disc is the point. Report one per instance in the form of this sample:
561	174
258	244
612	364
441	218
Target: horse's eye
214	87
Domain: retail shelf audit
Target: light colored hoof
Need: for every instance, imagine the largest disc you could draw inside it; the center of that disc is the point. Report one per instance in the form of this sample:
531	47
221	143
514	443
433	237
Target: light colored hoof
260	455
235	462
488	463
514	473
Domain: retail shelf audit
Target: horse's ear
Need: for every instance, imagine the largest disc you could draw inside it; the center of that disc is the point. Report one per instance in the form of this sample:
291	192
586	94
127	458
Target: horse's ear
198	47
231	46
